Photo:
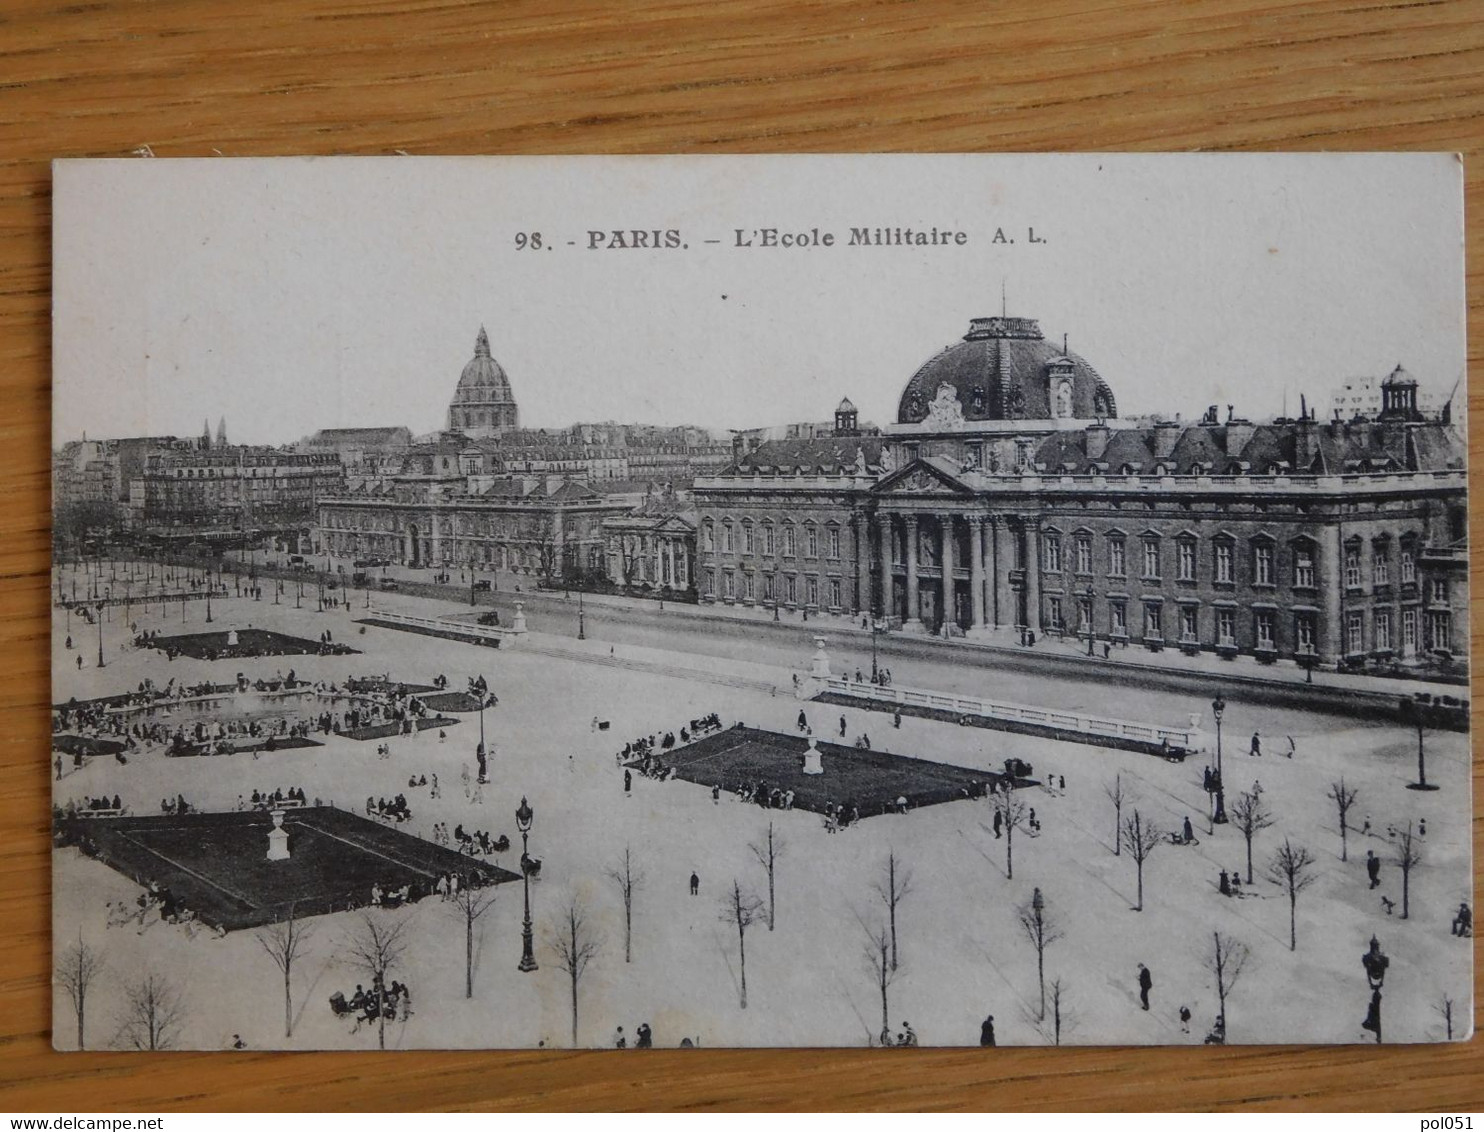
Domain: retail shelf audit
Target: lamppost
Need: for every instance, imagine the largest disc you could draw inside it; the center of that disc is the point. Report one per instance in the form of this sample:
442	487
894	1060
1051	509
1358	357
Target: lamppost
208	599
100	634
1375	964
523	817
1218	705
875	666
581	619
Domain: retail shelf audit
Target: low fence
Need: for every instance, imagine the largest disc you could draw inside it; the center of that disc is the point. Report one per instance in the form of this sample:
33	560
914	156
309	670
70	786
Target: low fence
1024	718
493	635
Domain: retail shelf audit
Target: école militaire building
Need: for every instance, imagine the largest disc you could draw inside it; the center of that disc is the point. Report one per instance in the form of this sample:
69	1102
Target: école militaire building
1010	496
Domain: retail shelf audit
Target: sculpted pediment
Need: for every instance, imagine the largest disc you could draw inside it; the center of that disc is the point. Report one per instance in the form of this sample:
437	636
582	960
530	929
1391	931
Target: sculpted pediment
921	479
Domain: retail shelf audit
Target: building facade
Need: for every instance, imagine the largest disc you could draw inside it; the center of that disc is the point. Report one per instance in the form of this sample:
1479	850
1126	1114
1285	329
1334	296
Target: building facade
1008	496
550	527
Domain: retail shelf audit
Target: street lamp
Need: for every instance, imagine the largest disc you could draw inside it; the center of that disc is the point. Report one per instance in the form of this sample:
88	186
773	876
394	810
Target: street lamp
875	667
1411	710
100	634
1218	705
208	599
523	817
582	618
1375	964
1088	596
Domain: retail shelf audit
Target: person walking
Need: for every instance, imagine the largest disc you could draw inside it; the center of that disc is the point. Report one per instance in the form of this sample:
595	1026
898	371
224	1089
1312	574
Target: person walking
842	727
1373	868
1185	1019
1256	748
998	824
628	780
695	884
986	1031
1146	983
58	765
1188	833
803	721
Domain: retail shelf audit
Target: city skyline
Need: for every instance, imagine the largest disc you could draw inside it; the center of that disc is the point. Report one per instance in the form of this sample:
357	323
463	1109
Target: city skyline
356	301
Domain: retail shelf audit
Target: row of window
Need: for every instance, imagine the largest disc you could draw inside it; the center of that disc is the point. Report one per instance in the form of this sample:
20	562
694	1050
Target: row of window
1186	622
790	589
1263	552
766	540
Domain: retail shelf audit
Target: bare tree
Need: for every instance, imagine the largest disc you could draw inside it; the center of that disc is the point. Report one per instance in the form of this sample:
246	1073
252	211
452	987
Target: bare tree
471	902
893	889
1014	814
1042	931
1251	816
284	942
1117	796
576	946
77	968
741	908
629	881
153	1014
1225	961
375	946
1290	868
1344	797
1445	1009
1140	838
877	954
1408	857
767	853
1062	1020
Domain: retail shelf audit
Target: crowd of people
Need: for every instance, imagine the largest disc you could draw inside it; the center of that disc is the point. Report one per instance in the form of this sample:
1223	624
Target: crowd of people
394	811
393	1002
274	799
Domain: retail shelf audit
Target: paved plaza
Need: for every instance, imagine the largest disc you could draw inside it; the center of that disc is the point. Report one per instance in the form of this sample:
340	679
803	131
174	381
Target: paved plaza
963	953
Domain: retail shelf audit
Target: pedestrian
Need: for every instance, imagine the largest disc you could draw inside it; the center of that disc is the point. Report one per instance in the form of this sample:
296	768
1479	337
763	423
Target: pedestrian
986	1031
619	1041
628	780
896	719
79	662
1256	748
644	1037
1225	884
58	765
803	719
695	884
1373	868
1185	1019
1188	832
909	1035
1146	983
842	727
716	794
1365	830
999	822
1421	827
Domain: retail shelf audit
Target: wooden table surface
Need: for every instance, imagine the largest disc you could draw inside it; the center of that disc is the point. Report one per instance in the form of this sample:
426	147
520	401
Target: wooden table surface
201	77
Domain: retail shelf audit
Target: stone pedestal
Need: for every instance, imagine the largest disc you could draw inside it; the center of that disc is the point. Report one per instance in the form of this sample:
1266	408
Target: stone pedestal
278	839
819	666
231	636
812	764
518	622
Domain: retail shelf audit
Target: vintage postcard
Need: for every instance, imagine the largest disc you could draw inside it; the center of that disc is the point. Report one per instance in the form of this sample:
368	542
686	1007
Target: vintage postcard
760	601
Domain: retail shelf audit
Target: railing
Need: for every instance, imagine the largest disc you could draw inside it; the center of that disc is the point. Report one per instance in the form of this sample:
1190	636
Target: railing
445	627
1189	738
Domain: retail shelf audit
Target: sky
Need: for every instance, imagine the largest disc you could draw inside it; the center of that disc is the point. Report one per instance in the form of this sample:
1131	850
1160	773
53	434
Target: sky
289	295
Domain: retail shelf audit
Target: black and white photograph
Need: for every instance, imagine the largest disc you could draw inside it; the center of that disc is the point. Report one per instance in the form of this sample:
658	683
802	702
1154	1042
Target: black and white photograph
838	601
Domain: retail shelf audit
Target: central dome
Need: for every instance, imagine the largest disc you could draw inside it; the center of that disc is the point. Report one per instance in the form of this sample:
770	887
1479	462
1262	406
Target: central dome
1004	369
482	403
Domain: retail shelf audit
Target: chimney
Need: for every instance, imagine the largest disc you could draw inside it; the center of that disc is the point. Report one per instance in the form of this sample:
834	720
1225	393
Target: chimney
1166	433
1096	441
1238	434
1305	444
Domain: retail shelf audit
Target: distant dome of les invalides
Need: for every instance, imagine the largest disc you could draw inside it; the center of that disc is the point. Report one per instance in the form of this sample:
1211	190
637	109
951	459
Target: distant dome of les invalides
483	404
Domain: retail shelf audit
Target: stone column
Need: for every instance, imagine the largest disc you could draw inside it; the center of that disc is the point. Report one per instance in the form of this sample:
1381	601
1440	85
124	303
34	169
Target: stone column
883	529
1033	574
1004	597
947	556
913	617
862	563
976	569
1331	637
